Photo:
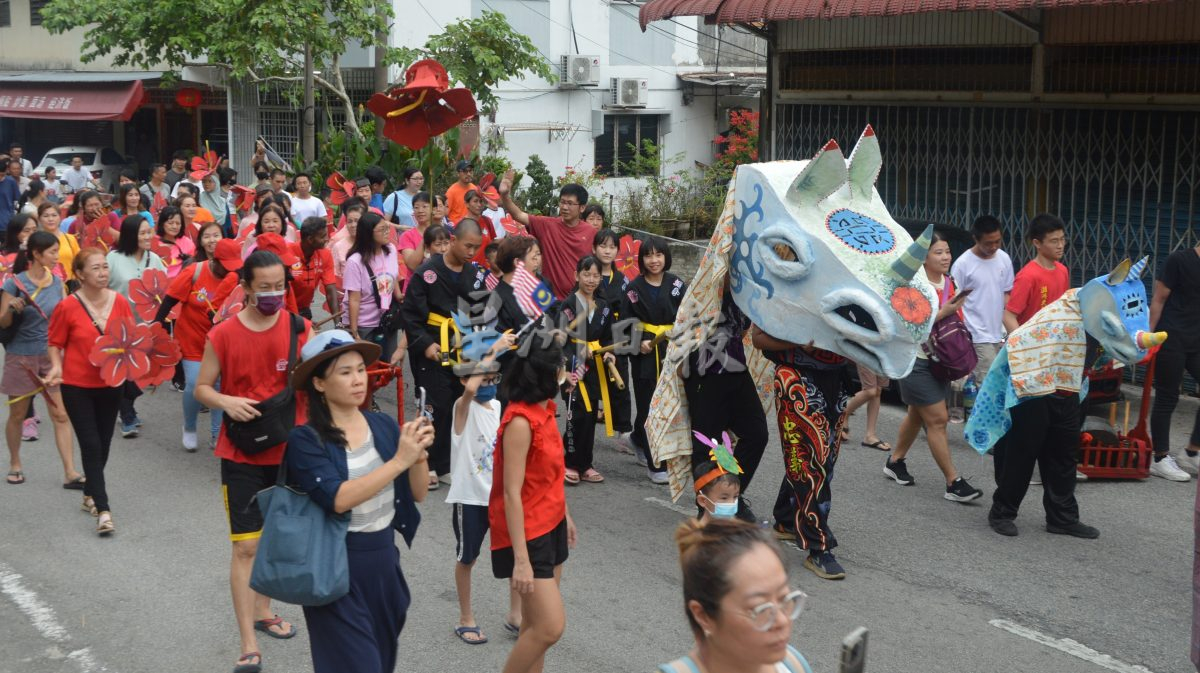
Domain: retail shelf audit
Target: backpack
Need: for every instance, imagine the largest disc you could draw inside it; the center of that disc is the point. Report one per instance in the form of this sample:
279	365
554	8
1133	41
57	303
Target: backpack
949	348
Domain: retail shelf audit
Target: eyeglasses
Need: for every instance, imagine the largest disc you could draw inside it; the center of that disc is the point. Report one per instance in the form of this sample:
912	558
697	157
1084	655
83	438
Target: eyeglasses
564	202
763	616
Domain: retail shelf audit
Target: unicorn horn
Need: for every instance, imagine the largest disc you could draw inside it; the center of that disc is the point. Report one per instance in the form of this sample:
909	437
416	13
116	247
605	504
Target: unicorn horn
1137	269
1147	340
905	267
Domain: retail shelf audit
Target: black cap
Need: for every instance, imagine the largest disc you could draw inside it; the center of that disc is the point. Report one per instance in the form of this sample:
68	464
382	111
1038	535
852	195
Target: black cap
464	165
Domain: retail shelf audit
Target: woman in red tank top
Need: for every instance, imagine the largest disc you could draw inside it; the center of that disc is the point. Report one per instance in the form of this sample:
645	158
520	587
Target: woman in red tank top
527	510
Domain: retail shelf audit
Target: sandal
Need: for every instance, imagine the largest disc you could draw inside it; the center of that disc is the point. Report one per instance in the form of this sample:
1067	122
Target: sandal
15	477
592	476
244	665
462	631
75	484
89	505
878	444
104	524
434	484
513	629
265	625
571	477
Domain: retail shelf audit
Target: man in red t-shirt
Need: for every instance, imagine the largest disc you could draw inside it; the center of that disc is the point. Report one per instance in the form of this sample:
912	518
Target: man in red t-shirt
314	268
564	240
1044	279
249	354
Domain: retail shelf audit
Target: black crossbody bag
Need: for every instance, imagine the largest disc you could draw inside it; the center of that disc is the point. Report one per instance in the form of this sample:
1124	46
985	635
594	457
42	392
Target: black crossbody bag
277	412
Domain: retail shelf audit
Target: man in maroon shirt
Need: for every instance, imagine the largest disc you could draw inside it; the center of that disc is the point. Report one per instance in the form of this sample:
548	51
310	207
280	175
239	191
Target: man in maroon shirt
564	240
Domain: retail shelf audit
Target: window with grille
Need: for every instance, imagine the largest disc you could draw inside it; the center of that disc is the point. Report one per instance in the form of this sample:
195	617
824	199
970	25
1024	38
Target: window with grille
5	13
622	134
35	11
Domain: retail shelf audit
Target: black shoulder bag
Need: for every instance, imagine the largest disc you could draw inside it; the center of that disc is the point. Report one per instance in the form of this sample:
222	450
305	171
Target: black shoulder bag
389	320
277	412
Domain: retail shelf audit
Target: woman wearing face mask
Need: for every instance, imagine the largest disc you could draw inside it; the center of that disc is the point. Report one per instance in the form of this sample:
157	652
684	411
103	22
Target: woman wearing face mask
48	221
926	395
530	524
591	322
738	601
169	232
33	292
129	260
90	403
245	353
371	284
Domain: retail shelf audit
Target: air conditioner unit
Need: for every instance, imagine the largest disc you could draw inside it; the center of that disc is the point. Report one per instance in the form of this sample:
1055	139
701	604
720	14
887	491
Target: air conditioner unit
579	70
629	91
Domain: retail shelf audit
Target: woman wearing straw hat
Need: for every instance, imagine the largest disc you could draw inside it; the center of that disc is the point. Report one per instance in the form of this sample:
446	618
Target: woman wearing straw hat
349	460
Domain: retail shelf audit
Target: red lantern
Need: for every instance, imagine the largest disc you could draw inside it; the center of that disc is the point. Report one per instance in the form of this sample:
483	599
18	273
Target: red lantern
188	97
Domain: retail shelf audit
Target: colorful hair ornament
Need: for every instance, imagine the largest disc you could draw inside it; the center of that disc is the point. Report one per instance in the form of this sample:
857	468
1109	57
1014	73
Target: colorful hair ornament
722	455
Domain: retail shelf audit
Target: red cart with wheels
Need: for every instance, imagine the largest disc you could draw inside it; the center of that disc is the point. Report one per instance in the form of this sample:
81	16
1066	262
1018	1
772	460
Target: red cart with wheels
1123	453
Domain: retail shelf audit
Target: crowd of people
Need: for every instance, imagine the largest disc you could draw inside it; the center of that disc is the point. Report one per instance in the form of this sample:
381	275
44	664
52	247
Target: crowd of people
397	272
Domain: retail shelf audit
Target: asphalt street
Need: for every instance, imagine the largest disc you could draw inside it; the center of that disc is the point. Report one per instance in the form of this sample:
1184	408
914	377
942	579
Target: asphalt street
938	590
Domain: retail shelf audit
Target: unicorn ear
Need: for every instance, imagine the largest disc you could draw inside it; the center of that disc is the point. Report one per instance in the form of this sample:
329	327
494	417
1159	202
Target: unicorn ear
865	162
1139	268
1119	273
821	177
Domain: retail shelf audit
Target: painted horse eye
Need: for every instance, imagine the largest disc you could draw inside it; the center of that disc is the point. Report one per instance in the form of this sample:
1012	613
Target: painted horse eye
785	252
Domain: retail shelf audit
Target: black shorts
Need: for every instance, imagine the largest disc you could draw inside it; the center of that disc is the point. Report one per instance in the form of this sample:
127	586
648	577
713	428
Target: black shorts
545	553
470	527
239	484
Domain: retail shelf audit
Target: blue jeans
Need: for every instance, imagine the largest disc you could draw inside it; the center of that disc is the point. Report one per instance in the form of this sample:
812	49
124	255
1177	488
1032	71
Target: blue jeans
191	408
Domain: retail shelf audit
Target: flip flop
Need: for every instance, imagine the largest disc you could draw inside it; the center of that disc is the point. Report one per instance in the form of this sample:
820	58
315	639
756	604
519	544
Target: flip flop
512	628
878	444
461	632
15	477
244	664
434	484
75	484
571	477
591	476
265	625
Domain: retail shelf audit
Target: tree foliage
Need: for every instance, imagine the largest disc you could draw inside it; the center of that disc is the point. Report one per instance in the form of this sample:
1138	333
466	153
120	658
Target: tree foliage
480	53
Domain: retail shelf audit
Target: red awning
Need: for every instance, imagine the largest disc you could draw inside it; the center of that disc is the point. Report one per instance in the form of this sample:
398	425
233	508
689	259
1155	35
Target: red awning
751	11
114	101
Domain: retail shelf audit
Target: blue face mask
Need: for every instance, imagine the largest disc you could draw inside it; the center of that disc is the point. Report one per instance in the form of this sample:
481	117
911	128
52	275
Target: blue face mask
724	510
485	394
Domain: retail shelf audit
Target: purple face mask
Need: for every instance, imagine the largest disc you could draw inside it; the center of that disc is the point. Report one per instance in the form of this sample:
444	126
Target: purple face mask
269	303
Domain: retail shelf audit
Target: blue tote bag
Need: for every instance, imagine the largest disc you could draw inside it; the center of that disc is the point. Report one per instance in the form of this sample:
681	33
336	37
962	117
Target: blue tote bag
301	555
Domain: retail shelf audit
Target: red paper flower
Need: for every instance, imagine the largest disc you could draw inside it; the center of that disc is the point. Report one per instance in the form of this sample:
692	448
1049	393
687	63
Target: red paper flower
245	198
98	234
157	204
627	257
424	107
148	292
233	303
911	305
512	227
204	165
6	265
163	353
122	352
342	188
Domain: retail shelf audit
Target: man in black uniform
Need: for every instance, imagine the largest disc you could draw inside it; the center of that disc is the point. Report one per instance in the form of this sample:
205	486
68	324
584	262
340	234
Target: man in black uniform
432	298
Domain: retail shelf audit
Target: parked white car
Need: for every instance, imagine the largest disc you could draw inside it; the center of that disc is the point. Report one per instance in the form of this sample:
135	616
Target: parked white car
105	163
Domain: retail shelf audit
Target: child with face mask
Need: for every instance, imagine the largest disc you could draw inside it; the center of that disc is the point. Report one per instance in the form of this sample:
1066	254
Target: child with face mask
717	482
476	418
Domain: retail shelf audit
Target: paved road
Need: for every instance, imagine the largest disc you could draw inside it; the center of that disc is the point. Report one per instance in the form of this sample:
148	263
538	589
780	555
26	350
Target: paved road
926	576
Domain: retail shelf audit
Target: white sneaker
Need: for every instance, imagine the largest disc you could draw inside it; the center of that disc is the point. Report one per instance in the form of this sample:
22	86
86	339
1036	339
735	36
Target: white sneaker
1168	469
1189	464
623	443
658	477
1079	476
189	441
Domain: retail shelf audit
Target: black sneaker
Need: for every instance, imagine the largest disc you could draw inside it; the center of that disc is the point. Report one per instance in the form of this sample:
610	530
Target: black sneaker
1004	527
897	471
960	491
824	565
1075	529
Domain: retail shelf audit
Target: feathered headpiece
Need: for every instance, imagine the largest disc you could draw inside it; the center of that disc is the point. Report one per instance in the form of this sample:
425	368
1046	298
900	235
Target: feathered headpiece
722	456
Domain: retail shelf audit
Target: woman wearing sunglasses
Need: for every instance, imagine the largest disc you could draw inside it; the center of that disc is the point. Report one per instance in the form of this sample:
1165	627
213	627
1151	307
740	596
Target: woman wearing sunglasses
738	601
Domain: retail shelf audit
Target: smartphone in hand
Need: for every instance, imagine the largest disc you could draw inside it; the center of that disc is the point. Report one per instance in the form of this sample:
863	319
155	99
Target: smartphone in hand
854	652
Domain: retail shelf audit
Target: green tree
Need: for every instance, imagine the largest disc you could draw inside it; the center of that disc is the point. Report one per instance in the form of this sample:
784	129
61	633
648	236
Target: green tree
480	53
259	41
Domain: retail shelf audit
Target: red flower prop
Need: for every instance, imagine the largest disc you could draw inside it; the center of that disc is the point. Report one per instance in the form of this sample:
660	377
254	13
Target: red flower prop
245	198
233	303
122	353
163	353
98	234
512	227
342	188
6	265
627	257
167	252
157	204
424	107
487	188
204	165
147	293
911	305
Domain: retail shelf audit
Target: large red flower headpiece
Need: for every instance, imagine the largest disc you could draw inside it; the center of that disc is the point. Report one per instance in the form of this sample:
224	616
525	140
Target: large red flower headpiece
424	107
204	165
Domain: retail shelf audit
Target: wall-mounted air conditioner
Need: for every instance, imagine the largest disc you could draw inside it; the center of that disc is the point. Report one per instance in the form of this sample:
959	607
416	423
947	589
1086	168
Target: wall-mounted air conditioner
630	91
579	70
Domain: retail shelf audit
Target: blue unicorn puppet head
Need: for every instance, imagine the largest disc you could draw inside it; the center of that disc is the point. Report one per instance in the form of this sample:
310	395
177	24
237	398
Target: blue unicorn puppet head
817	258
1116	313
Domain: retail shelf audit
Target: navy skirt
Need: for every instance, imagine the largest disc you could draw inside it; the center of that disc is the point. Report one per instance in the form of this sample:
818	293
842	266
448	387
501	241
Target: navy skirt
358	633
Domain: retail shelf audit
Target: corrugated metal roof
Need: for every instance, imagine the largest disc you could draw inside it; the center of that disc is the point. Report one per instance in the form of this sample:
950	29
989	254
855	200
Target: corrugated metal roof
60	76
750	11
